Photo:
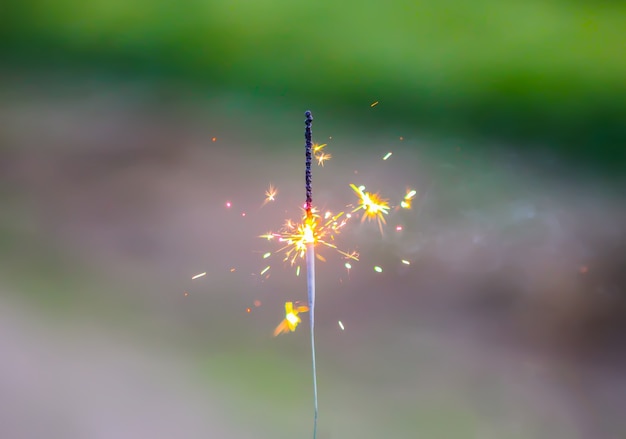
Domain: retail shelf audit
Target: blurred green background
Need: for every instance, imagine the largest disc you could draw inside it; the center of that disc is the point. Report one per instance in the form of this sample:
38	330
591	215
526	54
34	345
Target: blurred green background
127	126
546	73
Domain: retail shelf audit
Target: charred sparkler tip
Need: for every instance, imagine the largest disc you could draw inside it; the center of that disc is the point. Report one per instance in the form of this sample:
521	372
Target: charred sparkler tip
308	137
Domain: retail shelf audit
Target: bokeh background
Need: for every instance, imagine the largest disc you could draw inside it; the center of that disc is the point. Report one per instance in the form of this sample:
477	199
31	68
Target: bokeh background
127	127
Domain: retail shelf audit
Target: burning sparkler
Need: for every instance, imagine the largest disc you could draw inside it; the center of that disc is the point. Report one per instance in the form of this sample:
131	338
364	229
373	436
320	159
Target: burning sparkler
295	237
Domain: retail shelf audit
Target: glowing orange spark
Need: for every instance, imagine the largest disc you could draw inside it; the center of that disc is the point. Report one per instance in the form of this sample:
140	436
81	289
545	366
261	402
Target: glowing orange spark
322	157
270	194
319	155
291	318
408	198
374	206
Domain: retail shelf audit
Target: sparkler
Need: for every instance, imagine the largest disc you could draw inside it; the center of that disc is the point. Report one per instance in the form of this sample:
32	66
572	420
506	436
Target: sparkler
310	253
299	239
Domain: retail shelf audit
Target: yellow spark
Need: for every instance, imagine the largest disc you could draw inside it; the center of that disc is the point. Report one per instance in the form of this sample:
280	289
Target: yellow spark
387	155
265	270
267	255
270	194
317	148
341	325
408	198
198	275
322	157
405	262
377	269
269	236
374	206
291	318
319	155
298	270
348	265
373	104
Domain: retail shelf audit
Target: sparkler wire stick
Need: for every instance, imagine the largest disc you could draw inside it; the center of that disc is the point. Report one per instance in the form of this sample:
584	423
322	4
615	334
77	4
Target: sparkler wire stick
310	256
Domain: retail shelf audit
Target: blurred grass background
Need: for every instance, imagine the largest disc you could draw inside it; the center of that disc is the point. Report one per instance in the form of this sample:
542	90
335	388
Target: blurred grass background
548	73
112	192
